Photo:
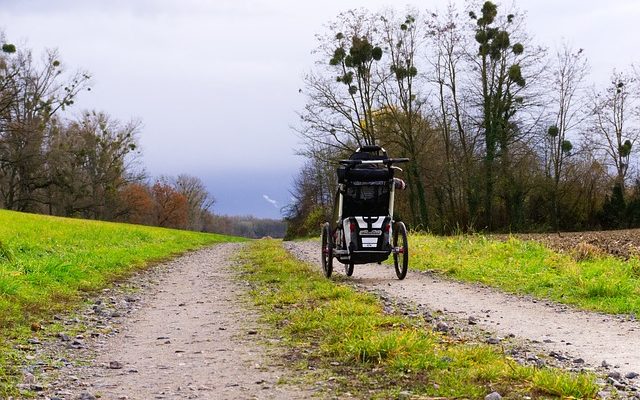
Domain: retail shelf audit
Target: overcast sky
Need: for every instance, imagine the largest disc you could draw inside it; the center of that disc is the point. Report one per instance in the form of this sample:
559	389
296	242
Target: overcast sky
216	82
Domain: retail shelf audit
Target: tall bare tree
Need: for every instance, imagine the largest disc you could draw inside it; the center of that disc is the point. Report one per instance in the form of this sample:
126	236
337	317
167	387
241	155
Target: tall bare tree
568	101
616	123
449	73
401	105
498	62
341	93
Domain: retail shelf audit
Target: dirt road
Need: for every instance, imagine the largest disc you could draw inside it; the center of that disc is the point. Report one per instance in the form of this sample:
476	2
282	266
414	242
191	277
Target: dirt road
189	334
192	338
554	329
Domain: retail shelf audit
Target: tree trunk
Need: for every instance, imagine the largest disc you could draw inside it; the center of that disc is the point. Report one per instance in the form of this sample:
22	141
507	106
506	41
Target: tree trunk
422	199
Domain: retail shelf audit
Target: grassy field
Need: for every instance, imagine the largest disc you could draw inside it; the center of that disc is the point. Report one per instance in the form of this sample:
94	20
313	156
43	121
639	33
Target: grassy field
593	282
343	333
47	263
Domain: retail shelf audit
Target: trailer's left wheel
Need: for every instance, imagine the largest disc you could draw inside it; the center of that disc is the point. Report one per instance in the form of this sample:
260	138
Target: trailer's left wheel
327	250
400	250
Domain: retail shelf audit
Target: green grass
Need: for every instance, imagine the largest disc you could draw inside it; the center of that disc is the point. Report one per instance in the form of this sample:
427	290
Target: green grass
47	263
600	283
331	326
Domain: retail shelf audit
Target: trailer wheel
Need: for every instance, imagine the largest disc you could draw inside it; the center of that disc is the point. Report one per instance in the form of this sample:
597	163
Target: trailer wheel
348	269
400	250
327	250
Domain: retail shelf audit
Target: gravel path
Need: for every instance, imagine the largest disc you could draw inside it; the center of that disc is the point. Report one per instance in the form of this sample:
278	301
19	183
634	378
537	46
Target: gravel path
556	329
192	338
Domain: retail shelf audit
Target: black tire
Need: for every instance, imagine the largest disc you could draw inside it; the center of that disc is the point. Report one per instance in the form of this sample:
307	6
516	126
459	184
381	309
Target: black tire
400	253
348	269
327	250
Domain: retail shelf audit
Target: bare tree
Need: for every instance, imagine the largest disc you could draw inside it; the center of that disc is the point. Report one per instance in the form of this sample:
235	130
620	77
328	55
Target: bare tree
616	125
88	164
505	70
401	110
198	198
341	93
32	94
311	195
449	67
568	101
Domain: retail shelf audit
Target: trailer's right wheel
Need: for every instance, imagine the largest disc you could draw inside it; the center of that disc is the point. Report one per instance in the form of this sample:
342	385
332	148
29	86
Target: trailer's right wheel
348	269
327	250
400	250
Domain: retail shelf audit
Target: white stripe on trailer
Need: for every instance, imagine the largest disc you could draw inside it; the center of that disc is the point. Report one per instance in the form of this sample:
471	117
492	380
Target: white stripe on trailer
346	228
392	198
369	242
340	201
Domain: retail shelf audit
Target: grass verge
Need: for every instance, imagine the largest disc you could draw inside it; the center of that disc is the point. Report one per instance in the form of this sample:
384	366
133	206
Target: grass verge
47	263
330	326
599	282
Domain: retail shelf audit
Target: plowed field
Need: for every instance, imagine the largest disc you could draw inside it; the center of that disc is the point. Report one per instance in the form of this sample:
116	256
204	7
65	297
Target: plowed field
620	243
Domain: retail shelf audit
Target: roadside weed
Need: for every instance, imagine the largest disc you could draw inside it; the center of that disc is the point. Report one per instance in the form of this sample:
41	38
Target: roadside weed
557	386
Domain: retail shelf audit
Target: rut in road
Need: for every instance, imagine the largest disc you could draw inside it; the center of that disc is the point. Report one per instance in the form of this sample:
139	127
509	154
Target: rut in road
192	339
594	337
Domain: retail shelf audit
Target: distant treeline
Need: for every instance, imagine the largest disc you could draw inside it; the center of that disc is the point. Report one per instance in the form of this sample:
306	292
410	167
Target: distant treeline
503	134
88	166
246	226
